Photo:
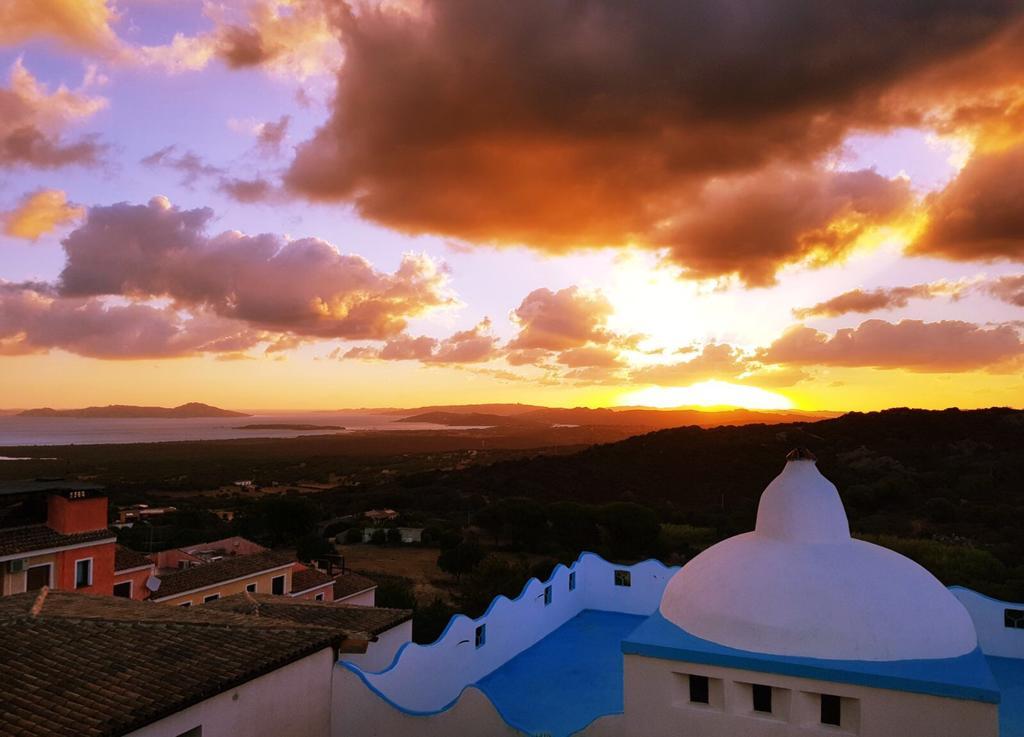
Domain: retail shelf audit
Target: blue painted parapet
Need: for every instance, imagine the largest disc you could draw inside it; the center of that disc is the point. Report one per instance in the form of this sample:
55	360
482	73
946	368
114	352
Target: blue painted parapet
999	624
427	679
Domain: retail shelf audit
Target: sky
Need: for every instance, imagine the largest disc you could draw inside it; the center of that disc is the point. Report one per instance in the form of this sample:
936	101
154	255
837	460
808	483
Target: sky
314	204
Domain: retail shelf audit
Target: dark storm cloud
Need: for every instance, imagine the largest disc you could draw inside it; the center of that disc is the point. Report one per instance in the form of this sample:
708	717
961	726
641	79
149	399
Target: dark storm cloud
563	124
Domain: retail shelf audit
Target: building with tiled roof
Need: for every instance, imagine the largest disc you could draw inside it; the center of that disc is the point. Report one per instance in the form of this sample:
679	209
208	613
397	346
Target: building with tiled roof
385	629
269	572
132	571
352	588
101	666
309	583
54	533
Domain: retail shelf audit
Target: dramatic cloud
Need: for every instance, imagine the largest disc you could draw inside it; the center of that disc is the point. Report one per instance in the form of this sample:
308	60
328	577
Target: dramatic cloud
715	361
980	215
287	37
467	346
39	213
1009	289
33	120
558	321
590	357
860	300
270	135
83	24
305	287
34	321
944	346
620	114
751	225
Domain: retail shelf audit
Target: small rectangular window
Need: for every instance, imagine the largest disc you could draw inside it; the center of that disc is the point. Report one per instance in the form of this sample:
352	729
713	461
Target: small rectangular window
251	588
623	578
194	732
762	698
123	589
277	585
319	597
572	581
1014	618
185	603
547	595
481	635
211	597
831	709
83	573
699	690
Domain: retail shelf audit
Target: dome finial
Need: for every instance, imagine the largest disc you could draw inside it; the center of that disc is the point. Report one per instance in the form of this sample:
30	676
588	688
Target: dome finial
801	454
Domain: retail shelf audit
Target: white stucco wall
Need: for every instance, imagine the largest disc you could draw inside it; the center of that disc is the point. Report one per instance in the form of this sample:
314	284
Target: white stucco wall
429	678
380	654
360	713
363	598
293	701
994	637
657	705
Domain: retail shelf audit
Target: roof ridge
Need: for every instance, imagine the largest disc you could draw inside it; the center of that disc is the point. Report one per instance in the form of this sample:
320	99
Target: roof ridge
37	605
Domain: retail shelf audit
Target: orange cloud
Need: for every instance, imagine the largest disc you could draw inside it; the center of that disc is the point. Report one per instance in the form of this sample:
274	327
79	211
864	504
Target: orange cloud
305	287
558	321
622	114
83	24
33	119
979	216
39	213
860	300
946	346
715	361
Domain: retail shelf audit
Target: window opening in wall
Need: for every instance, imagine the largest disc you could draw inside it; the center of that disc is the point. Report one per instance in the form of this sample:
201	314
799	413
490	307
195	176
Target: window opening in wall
194	732
185	603
83	573
699	691
277	585
1014	618
37	576
211	597
123	589
320	596
831	709
572	581
481	635
547	595
623	578
251	588
762	698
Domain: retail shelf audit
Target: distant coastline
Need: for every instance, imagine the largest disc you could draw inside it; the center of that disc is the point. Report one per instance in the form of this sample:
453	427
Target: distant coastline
287	426
122	411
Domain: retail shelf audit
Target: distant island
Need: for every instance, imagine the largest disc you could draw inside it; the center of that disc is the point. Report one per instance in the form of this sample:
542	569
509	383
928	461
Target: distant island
285	426
127	411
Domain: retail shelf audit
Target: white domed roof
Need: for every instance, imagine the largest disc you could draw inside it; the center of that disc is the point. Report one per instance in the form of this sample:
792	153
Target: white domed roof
799	585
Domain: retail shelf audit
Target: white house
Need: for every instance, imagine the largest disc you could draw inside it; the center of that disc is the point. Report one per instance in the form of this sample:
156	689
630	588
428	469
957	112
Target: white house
792	629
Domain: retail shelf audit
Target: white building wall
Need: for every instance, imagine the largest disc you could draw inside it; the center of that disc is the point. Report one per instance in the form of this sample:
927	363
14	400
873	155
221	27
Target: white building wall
360	713
363	598
380	654
427	678
657	705
293	701
994	637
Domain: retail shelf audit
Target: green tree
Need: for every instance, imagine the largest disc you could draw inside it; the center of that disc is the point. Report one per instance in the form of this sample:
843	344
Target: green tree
312	546
354	536
460	559
631	529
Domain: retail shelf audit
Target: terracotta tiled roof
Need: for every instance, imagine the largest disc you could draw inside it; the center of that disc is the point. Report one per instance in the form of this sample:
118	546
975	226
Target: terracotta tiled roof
15	540
346	584
210	574
345	620
126	558
102	666
304	579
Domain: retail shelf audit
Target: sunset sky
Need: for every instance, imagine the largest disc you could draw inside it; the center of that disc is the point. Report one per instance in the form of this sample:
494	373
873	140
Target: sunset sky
314	204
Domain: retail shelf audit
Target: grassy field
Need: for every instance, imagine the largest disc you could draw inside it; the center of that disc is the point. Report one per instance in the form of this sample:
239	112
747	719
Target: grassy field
412	562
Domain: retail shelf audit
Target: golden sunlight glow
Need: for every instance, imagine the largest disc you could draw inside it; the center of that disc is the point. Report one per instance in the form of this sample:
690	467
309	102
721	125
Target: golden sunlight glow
711	393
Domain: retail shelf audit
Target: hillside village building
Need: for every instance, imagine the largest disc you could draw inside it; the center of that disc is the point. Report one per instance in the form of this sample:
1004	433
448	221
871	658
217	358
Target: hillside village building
792	629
